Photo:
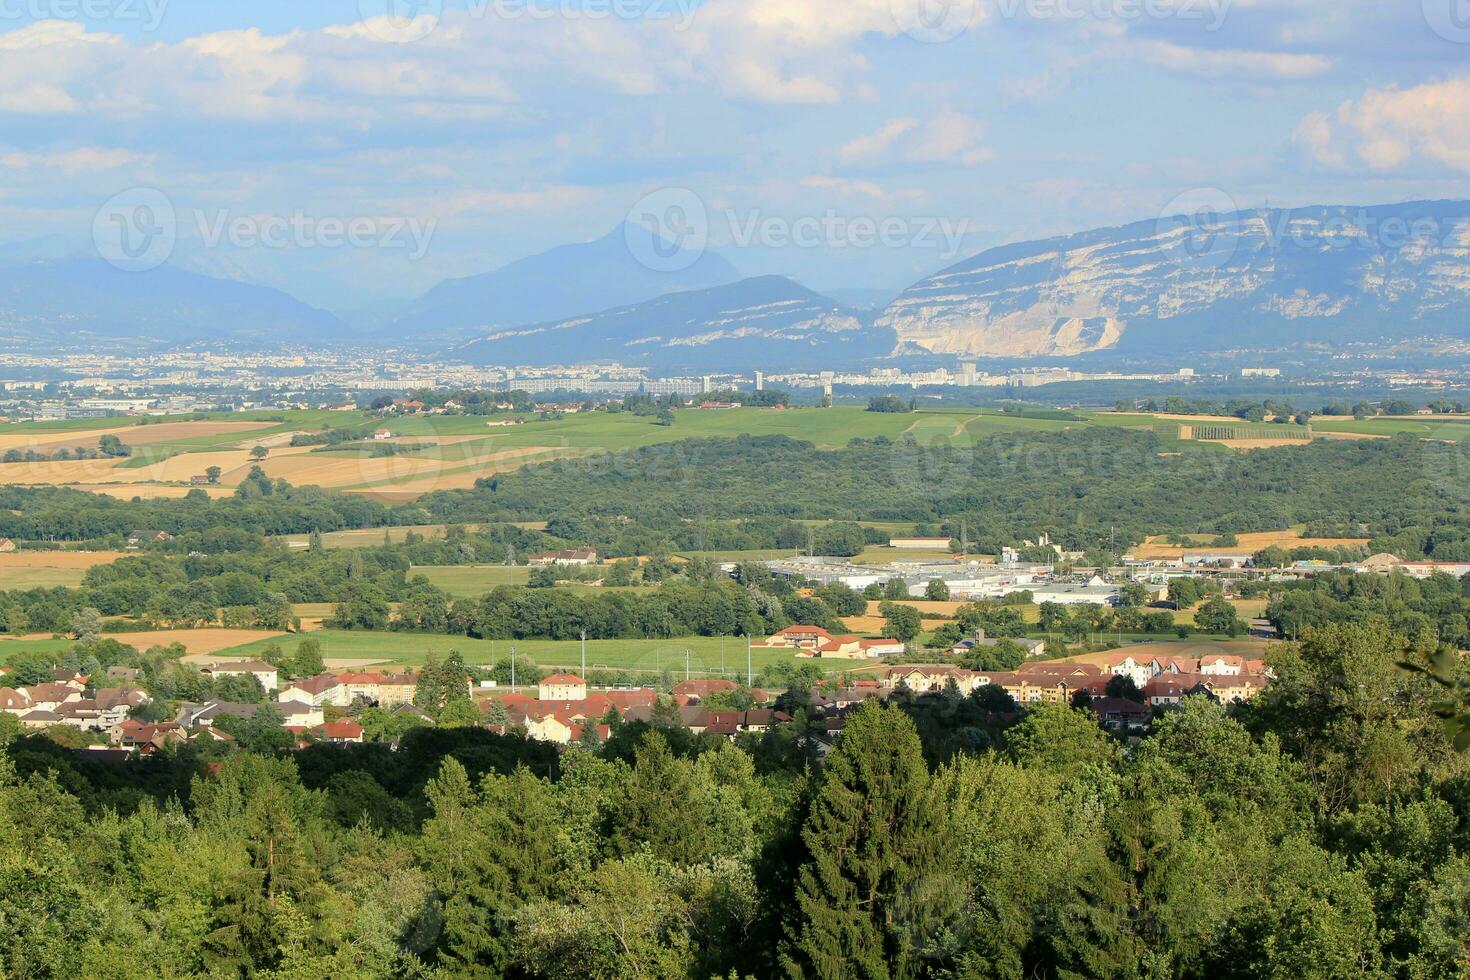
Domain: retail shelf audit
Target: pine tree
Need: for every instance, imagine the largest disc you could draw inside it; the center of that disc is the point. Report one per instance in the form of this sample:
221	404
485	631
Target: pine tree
875	886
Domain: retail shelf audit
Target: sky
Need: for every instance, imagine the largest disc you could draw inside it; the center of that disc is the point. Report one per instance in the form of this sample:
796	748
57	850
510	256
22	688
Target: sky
356	152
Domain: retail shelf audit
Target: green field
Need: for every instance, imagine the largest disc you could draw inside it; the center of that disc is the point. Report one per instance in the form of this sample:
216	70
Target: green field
9	648
411	649
472	581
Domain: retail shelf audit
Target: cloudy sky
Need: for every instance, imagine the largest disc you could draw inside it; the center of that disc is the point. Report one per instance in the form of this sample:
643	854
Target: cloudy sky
500	129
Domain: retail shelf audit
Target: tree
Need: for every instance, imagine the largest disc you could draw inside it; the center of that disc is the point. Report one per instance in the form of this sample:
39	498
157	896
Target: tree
901	622
213	473
307	660
258	453
936	591
441	684
1123	686
1134	594
86	625
1062	739
273	611
874	888
1219	616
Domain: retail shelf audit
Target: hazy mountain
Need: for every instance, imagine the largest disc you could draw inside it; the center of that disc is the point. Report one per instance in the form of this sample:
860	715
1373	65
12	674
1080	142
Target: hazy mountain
1316	274
76	302
764	322
566	281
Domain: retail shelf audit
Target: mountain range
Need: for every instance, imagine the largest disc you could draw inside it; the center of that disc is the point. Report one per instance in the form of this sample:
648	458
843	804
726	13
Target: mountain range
1269	277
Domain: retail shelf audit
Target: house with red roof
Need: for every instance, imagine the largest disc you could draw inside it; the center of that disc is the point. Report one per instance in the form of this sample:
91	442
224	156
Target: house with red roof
342	732
562	687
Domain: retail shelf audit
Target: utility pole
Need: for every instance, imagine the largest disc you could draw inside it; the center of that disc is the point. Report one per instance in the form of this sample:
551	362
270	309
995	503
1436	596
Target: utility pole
686	663
584	655
512	665
811	542
749	673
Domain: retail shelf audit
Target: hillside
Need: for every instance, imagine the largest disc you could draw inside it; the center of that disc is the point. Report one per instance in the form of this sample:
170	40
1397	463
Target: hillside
566	281
752	323
1316	274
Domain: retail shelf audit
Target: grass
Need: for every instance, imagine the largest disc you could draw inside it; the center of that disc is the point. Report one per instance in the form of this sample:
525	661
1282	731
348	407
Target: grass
10	648
472	581
19	577
412	649
370	537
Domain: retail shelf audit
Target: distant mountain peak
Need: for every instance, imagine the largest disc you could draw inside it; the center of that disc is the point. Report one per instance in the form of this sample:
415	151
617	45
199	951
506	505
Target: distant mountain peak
1324	273
559	283
762	321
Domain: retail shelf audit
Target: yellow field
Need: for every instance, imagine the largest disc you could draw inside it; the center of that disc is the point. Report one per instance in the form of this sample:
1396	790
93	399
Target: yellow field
131	435
1249	544
194	641
148	491
48	569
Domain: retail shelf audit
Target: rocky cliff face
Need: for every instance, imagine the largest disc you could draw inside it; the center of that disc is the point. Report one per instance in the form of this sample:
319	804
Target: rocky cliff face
1213	282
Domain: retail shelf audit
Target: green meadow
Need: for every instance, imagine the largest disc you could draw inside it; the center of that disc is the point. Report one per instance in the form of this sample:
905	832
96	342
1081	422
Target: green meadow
707	656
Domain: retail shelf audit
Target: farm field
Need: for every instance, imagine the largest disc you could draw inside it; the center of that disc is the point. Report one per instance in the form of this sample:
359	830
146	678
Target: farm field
1199	647
370	537
411	649
195	641
472	581
1248	544
48	569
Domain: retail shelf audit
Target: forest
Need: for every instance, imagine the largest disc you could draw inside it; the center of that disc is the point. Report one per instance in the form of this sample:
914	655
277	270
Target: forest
1320	832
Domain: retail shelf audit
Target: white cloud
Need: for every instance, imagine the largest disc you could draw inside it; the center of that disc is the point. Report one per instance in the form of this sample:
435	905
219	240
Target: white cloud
72	162
950	137
947	136
878	142
1221	63
1388	128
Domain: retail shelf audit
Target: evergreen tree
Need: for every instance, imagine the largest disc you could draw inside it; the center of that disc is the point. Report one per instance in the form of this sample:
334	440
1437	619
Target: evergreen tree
872	892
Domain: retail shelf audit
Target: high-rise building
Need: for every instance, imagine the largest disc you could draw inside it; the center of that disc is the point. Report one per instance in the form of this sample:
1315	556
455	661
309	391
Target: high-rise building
760	381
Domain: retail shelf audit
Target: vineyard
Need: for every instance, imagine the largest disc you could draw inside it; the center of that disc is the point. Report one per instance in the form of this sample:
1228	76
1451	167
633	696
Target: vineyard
1241	433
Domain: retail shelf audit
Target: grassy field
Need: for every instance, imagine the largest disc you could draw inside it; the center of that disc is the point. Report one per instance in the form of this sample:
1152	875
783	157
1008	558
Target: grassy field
411	649
472	581
48	569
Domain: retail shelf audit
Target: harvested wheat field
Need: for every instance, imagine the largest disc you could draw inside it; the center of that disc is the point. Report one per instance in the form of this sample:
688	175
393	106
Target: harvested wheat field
147	491
131	435
1248	544
409	473
195	641
923	605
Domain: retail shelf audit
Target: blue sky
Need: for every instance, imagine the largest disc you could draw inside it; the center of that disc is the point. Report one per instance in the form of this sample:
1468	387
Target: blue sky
499	131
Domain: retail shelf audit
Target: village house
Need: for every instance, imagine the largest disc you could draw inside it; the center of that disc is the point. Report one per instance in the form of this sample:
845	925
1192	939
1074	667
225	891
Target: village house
7	545
340	732
1121	714
919	544
562	687
814	642
575	557
263	672
138	538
